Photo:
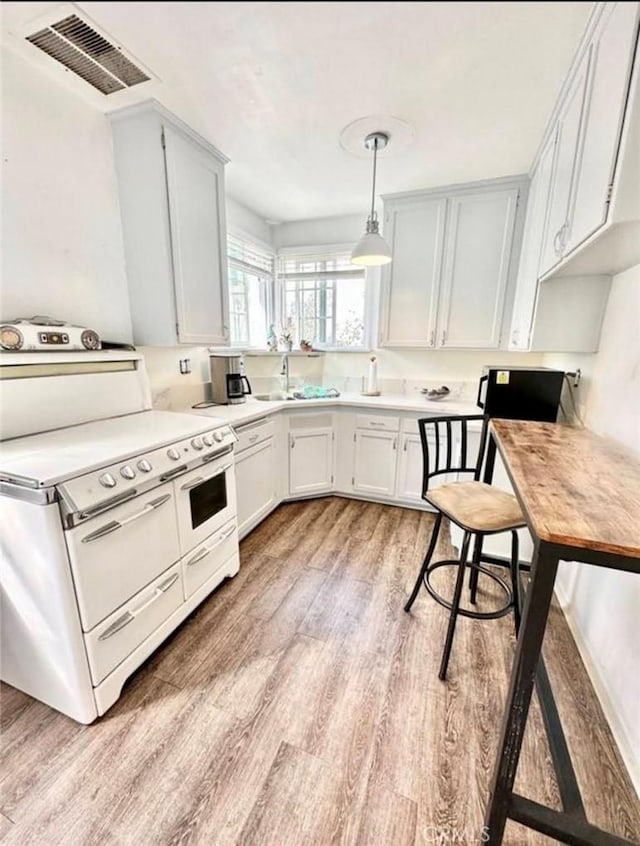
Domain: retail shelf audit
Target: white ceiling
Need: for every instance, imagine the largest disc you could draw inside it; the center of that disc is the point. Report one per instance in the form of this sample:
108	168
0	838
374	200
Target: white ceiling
272	85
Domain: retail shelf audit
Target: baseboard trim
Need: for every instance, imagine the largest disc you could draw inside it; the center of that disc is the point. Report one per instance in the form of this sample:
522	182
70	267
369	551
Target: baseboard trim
618	728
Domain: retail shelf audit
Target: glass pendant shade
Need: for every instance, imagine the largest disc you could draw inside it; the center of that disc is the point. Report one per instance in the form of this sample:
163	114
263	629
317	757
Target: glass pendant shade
372	249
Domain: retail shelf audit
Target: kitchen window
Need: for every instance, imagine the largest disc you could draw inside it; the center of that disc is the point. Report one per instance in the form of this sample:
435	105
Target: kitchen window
250	269
324	299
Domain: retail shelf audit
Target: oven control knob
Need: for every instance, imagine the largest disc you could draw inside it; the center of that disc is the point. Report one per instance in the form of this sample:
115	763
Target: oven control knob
107	480
196	443
208	440
173	454
127	472
218	435
144	466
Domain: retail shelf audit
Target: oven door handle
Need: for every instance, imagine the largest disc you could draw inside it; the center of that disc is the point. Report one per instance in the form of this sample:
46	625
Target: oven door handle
199	480
129	616
114	525
192	483
207	550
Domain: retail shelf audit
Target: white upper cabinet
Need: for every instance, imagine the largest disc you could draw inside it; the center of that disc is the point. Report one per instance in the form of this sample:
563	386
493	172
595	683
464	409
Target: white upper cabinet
411	282
612	55
476	268
563	282
171	190
588	122
452	259
567	142
527	284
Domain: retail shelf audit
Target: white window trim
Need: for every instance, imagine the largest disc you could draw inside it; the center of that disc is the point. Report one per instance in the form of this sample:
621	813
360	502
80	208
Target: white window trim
372	277
272	305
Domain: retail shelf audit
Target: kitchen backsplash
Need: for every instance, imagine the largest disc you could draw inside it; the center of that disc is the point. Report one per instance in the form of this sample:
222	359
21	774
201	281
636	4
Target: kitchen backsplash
399	371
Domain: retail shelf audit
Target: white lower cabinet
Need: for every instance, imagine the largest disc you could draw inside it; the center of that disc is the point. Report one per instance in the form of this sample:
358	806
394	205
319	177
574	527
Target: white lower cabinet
256	484
310	461
374	465
409	480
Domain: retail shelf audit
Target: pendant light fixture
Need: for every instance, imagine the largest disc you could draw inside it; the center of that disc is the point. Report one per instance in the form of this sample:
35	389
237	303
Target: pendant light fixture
372	249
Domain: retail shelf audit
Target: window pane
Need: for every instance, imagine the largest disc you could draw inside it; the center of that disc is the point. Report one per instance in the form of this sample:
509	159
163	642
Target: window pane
250	273
325	299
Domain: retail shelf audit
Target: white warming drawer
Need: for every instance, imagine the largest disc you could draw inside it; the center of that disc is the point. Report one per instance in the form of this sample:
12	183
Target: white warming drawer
124	630
115	555
203	561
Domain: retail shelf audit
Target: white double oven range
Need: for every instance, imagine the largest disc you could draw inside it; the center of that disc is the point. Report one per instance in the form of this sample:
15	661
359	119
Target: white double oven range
116	522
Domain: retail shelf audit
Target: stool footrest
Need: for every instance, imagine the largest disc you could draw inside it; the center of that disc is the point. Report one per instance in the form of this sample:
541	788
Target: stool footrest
463	612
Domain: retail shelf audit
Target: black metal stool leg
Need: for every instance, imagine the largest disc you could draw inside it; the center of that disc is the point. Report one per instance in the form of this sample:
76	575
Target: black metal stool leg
455	604
474	573
515	578
425	563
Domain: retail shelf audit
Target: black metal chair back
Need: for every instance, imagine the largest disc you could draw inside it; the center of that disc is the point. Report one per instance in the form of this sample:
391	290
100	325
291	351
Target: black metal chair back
440	437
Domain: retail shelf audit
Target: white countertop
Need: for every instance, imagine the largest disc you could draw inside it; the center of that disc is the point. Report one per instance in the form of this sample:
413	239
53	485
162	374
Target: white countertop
253	408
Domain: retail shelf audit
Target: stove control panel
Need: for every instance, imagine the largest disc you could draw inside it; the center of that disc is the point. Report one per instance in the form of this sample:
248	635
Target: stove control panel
135	474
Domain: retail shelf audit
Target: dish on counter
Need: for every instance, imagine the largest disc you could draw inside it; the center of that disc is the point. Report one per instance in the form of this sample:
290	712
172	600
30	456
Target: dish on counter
436	393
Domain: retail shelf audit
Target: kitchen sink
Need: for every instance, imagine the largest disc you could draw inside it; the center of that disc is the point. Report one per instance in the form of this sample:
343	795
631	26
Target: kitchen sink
269	398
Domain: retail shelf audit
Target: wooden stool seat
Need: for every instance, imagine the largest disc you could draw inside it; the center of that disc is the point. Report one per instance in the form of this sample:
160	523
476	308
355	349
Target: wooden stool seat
477	507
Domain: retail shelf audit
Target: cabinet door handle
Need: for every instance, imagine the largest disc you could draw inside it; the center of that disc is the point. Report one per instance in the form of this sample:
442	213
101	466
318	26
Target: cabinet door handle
395	443
444	337
293	442
432	341
253	439
557	243
375	423
406	443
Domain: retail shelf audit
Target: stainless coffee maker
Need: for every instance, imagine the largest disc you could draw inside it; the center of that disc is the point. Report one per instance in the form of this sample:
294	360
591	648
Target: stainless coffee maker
228	383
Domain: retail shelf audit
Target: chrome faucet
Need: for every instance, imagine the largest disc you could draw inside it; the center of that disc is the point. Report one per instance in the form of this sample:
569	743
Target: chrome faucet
284	371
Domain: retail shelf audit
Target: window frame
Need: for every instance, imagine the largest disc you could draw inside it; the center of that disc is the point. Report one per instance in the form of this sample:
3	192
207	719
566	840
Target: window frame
326	252
269	278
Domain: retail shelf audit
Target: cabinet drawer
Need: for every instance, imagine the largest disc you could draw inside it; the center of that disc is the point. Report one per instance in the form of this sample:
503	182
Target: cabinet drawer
202	562
124	630
253	433
382	424
114	555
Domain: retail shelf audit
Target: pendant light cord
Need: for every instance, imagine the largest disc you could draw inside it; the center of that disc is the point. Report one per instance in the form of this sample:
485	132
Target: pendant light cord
373	190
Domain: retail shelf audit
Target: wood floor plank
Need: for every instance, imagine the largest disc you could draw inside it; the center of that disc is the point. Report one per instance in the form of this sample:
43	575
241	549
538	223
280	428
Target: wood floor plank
5	825
387	818
301	704
295	804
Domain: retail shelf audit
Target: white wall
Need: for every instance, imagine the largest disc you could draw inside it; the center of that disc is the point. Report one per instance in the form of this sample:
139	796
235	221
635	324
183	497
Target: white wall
345	229
62	250
247	221
603	606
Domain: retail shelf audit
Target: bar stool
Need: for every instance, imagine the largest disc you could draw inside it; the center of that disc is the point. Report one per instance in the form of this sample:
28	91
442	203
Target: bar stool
477	508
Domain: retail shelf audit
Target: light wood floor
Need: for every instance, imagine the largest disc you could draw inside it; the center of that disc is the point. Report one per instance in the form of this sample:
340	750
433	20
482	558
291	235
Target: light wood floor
301	705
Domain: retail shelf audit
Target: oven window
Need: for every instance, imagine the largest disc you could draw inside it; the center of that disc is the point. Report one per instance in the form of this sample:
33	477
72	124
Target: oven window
208	499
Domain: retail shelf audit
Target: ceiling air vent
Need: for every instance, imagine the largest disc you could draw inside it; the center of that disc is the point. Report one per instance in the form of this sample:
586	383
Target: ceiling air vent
84	51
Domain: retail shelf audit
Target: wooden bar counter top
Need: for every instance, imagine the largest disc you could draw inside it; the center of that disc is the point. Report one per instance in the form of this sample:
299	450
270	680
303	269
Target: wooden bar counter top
580	494
576	488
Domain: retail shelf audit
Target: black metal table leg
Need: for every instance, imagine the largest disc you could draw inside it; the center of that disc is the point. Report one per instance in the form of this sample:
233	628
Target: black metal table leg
523	674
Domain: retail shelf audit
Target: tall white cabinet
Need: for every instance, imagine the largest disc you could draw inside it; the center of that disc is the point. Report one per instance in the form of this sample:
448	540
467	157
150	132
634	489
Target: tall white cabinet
454	253
171	190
